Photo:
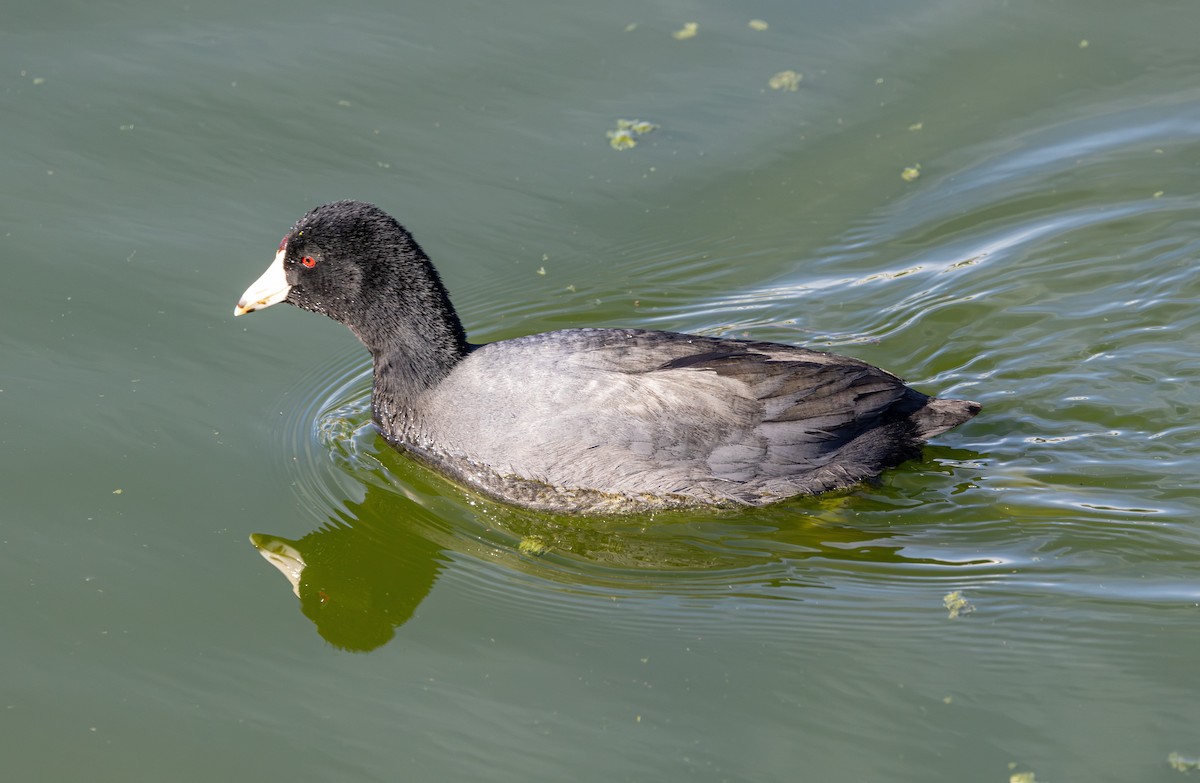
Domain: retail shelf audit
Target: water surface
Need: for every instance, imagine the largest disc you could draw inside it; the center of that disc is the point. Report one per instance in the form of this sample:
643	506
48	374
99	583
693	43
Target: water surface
1043	262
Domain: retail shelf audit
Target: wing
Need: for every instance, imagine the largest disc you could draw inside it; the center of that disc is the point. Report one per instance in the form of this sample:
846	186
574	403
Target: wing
805	414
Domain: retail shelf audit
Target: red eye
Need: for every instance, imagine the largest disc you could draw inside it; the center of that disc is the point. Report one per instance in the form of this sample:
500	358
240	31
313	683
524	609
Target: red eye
309	261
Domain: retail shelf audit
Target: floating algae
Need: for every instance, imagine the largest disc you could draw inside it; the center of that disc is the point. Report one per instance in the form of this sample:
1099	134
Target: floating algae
786	80
956	604
910	173
533	546
689	31
626	134
757	24
621	139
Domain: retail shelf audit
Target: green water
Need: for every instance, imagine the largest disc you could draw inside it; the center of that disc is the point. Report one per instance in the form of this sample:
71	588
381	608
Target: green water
1043	262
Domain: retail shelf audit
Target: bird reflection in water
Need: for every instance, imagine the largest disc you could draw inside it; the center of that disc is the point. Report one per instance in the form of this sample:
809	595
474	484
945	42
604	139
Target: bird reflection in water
358	580
365	571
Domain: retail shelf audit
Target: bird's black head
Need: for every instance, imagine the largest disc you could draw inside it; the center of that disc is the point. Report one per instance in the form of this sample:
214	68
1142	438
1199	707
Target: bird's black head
338	260
356	264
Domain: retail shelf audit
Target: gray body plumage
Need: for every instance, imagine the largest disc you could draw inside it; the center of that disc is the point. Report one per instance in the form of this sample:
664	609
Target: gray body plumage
611	421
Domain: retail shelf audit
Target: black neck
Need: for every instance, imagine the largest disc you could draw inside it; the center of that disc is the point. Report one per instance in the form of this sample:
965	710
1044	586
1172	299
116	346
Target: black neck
414	336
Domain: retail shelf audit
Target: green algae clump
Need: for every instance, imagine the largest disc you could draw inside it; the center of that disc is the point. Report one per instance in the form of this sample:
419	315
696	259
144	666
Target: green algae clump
625	135
788	81
957	605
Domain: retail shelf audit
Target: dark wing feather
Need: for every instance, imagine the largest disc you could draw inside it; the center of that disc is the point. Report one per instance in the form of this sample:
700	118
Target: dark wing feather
816	413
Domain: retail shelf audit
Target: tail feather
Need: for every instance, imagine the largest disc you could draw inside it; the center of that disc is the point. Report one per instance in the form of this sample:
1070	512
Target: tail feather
939	415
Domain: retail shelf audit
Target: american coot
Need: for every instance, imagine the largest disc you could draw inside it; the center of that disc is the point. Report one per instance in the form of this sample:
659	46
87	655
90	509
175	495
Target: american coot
592	420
